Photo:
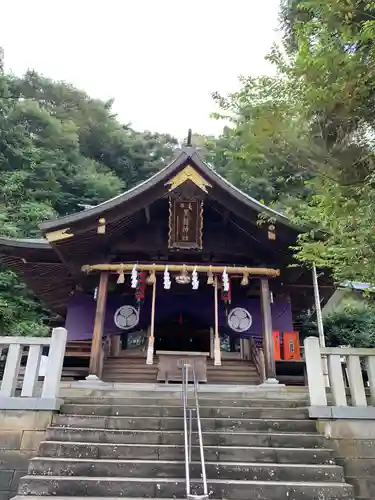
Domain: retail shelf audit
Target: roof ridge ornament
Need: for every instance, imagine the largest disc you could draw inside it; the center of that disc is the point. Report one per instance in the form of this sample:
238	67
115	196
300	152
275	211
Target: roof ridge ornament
189	137
188	174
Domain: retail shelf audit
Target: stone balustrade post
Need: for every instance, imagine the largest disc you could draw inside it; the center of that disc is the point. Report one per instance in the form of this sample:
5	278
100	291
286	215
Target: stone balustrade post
314	369
370	364
12	368
337	380
55	362
29	400
357	389
32	370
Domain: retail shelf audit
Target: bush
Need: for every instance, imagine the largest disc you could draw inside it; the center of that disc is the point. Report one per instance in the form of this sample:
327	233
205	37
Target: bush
353	325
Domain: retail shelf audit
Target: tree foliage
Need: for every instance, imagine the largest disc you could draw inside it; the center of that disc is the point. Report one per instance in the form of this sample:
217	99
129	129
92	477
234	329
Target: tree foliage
59	151
352	325
307	134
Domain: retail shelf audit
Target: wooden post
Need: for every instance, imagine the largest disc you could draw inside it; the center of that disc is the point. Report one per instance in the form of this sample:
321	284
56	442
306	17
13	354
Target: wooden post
319	322
262	367
96	346
217	354
269	357
150	348
212	342
115	347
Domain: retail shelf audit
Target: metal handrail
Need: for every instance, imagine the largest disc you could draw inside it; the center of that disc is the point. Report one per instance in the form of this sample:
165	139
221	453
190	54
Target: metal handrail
189	410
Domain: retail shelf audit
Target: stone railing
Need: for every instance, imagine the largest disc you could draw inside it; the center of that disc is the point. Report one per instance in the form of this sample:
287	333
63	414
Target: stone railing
32	395
348	395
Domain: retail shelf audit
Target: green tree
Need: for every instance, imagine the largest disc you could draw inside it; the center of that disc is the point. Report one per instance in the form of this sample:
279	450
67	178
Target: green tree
306	134
267	152
59	150
352	325
132	156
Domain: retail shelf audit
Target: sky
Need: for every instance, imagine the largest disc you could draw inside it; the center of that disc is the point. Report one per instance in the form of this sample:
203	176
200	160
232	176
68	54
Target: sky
159	59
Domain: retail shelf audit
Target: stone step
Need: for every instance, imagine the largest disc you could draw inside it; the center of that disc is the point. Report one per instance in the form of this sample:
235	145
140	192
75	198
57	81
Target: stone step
175	423
240	378
232	373
128	376
232	370
165	391
128	362
176	468
177	452
111	379
177	411
213	438
174	488
203	402
131	368
235	380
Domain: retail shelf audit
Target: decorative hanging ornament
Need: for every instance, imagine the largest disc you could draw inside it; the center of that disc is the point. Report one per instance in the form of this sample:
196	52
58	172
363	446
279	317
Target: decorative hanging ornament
225	280
121	275
210	277
134	277
245	279
167	279
226	292
101	226
141	286
271	232
152	277
183	278
194	279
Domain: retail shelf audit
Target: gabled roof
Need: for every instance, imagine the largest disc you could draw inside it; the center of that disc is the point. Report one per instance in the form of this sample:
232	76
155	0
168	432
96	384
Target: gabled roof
31	243
47	264
187	156
35	261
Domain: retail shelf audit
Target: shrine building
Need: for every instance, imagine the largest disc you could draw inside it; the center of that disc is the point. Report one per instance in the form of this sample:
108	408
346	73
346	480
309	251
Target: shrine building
182	265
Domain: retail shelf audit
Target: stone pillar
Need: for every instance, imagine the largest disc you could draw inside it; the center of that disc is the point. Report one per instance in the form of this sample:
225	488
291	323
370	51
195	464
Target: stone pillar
314	368
96	346
269	357
55	362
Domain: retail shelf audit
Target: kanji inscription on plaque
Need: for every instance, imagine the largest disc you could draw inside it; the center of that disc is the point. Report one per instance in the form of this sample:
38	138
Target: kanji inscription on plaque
185	223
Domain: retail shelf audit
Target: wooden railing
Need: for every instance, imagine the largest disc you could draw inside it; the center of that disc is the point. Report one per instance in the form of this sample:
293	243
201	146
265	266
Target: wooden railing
257	357
347	369
31	396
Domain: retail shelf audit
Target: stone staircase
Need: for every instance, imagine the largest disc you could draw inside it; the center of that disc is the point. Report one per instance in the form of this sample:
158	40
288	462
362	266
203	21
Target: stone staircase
232	372
133	369
257	446
130	368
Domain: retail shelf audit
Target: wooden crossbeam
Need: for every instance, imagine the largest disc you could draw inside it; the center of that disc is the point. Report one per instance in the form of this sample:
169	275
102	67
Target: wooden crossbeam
253	271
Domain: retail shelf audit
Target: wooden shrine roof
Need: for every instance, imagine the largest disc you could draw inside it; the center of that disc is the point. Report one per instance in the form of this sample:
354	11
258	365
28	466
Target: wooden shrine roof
35	261
155	187
51	266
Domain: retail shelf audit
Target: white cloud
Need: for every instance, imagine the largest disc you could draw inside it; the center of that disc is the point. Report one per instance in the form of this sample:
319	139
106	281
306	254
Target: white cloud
159	59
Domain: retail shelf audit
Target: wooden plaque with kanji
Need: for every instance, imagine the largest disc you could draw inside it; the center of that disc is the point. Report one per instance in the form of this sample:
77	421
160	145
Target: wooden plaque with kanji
185	223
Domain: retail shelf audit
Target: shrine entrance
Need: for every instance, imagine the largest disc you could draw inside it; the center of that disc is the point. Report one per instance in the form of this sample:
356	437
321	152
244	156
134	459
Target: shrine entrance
182	333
